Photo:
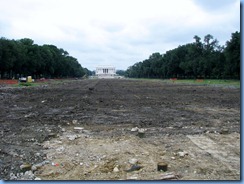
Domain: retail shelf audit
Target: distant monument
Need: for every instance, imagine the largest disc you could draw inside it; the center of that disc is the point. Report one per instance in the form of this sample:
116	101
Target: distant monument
105	72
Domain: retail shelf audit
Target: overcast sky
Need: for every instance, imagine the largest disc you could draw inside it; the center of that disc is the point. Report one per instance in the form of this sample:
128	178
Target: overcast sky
117	32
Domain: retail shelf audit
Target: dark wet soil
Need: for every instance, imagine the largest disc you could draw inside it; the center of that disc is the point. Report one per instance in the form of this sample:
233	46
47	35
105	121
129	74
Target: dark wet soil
31	115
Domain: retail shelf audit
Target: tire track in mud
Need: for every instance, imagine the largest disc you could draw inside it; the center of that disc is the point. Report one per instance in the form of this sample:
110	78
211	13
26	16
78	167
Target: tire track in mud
110	106
217	151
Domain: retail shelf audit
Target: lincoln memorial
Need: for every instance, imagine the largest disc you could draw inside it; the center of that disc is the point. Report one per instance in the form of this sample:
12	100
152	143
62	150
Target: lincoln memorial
104	72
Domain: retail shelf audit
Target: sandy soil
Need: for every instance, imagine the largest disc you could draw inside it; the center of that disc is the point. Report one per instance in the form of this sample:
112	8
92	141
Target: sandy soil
86	130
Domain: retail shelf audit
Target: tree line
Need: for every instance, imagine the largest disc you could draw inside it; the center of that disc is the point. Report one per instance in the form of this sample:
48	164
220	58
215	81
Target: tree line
23	58
200	59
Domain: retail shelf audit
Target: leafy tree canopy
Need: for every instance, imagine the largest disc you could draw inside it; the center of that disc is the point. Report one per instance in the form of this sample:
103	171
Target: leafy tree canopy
199	59
23	57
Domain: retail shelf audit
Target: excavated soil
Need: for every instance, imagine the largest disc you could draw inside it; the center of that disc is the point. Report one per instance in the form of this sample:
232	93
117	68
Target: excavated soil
88	130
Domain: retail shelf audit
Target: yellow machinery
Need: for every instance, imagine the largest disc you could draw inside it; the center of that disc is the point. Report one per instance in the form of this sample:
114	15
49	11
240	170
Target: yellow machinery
29	79
26	79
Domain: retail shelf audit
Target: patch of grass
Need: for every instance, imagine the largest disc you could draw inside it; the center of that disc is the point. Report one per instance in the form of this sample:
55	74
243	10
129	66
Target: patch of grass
26	84
61	81
210	82
234	83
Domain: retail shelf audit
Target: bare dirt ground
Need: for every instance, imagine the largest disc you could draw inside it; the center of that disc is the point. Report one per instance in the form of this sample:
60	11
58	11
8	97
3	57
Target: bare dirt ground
86	130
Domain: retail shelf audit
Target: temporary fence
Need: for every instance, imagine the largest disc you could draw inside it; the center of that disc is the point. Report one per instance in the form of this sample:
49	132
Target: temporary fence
6	81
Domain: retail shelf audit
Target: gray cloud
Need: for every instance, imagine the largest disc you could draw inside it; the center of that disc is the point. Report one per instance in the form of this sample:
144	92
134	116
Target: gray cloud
118	33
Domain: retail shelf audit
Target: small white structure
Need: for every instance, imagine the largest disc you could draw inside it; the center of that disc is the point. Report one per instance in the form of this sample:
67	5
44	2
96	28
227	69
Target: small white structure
105	72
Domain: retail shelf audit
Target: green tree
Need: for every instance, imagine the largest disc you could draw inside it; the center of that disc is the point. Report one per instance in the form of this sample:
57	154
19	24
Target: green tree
120	72
23	57
199	59
232	54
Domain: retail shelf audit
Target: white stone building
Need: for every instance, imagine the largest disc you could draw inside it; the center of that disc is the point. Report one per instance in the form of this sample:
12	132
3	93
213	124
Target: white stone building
105	72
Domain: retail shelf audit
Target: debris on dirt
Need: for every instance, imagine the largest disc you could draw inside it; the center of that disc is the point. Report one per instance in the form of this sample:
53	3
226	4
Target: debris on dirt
78	129
33	168
52	135
224	131
25	167
55	164
176	119
133	161
133	177
134	168
75	122
135	129
142	130
72	137
28	175
116	169
182	154
162	166
170	176
60	149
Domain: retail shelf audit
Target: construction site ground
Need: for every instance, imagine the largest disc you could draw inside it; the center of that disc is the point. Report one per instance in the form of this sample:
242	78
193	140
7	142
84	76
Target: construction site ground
119	129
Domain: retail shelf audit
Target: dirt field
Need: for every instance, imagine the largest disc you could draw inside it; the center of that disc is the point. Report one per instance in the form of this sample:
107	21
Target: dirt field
86	130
